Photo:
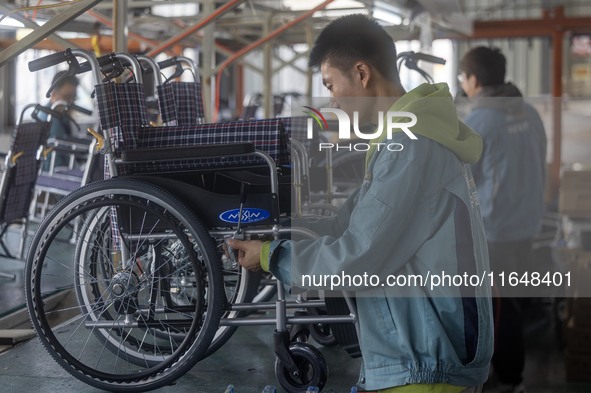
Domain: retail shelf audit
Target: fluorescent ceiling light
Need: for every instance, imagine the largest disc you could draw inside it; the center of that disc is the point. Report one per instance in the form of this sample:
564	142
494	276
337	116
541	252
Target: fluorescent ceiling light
175	10
304	5
387	17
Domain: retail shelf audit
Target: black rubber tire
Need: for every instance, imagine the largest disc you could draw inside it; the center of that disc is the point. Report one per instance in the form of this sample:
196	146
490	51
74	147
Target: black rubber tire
310	361
201	330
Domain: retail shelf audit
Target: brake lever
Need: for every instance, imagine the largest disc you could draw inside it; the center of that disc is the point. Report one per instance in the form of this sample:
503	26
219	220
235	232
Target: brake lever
73	69
178	71
239	233
116	70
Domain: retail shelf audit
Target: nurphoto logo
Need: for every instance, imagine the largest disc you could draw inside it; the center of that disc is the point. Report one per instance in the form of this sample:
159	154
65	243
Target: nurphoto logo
394	120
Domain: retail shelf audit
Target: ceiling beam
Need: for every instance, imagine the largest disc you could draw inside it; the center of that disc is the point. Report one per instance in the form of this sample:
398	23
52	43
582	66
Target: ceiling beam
540	27
64	44
47	29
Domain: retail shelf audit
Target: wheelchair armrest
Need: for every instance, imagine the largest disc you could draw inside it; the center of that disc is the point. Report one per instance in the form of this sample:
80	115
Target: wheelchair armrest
187	152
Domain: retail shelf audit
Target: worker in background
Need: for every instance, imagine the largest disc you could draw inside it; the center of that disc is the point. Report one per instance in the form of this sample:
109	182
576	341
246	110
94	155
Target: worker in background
510	179
64	93
414	213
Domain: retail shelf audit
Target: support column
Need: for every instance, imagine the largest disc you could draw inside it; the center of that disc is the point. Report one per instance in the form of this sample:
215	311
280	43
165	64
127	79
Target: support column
309	71
557	56
268	70
239	87
120	29
7	96
208	56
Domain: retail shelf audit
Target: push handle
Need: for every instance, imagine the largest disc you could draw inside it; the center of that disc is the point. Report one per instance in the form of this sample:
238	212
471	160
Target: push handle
50	60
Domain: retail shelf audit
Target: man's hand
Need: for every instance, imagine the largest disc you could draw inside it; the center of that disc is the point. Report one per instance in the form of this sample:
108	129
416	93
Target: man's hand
249	253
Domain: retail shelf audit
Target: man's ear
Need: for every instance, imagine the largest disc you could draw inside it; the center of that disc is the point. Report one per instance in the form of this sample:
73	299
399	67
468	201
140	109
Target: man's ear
472	81
363	73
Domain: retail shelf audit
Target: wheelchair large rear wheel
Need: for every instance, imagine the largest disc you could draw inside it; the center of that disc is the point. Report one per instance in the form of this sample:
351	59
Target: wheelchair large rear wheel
107	313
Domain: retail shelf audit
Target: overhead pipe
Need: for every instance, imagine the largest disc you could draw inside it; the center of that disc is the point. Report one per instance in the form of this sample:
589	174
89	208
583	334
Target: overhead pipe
258	43
198	26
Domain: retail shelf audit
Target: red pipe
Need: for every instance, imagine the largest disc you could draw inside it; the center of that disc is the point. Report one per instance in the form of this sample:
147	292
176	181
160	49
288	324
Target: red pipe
256	44
198	26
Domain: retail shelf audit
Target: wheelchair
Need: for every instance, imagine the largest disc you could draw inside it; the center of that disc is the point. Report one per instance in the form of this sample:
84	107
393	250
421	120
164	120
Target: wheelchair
148	289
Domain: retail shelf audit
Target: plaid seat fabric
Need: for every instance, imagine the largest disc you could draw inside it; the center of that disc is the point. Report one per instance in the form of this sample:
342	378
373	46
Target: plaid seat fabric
122	110
267	135
21	181
181	103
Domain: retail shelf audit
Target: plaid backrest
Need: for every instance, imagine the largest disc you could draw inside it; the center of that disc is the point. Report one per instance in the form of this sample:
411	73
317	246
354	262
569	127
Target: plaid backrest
166	104
27	138
122	110
296	127
189	102
267	135
181	103
21	178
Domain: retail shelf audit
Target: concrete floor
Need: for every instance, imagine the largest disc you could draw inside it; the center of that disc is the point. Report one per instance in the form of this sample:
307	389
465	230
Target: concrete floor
246	361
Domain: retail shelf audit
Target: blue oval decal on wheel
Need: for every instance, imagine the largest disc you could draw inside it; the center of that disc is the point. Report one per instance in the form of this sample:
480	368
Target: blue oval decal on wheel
249	215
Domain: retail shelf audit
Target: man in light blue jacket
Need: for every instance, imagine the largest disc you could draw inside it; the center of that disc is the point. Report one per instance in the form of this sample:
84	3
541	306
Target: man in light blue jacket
510	179
415	214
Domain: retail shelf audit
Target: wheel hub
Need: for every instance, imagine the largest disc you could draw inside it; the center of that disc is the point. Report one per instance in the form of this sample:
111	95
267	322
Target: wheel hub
124	289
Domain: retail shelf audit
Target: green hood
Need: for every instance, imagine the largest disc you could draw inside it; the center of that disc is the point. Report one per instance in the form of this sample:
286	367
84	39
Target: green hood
437	120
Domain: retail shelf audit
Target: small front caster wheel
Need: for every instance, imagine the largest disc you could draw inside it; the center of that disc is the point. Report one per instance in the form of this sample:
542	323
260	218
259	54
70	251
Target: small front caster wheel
312	369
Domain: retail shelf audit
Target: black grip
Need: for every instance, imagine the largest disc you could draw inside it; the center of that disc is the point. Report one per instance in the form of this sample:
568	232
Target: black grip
168	63
84	67
105	60
48	61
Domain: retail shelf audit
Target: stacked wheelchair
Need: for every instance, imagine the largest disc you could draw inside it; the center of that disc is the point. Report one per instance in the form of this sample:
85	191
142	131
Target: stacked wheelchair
147	289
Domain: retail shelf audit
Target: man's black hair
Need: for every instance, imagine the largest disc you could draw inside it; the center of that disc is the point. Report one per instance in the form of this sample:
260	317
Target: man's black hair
353	38
488	64
67	80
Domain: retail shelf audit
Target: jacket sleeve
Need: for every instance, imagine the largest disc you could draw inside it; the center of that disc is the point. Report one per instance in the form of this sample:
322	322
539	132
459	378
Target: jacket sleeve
334	225
375	240
481	123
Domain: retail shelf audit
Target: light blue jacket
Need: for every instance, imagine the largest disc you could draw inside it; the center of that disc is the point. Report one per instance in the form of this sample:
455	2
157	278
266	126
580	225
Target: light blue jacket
510	177
416	212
